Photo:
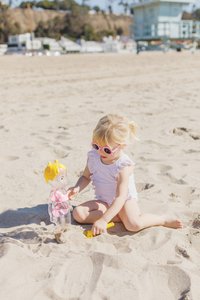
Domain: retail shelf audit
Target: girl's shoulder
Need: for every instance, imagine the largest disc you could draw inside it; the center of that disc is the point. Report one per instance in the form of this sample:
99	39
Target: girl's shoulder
124	161
92	160
92	154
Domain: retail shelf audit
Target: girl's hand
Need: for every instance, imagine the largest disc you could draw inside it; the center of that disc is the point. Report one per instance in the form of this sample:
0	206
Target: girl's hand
72	192
99	227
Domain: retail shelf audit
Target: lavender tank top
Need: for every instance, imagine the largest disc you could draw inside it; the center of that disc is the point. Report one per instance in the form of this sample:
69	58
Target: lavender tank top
104	177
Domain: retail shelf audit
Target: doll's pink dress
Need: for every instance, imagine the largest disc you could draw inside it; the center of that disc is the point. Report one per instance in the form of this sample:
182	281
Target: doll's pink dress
58	207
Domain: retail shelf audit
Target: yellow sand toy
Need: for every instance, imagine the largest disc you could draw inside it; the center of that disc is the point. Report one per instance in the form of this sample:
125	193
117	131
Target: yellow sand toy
89	234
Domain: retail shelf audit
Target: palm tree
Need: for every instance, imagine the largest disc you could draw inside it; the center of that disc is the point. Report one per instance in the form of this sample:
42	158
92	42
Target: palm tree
109	5
125	5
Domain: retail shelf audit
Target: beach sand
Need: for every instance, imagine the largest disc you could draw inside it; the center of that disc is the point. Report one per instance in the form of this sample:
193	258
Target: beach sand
49	107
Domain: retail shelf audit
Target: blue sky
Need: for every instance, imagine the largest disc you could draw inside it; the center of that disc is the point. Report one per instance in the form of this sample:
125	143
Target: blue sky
103	4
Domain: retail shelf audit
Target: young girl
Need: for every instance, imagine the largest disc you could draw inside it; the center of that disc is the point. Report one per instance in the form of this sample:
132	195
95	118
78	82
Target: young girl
111	172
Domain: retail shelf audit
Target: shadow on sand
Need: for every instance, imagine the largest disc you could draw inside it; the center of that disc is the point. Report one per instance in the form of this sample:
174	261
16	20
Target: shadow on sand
25	216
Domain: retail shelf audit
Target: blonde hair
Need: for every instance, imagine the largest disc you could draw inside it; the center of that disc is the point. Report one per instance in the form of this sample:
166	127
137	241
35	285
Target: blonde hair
52	170
114	128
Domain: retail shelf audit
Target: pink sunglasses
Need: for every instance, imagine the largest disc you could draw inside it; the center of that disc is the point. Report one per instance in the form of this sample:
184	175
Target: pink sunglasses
106	149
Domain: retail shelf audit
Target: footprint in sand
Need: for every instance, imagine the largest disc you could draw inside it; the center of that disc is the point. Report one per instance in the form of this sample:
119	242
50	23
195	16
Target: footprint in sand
196	222
186	194
183	130
176	282
102	265
144	186
62	127
61	135
190	151
25	235
159	240
164	171
122	248
33	133
43	115
3	247
62	153
97	111
10	158
194	235
63	276
179	282
181	251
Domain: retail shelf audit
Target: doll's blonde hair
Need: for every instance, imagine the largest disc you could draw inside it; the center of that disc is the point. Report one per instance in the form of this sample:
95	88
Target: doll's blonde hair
114	128
52	170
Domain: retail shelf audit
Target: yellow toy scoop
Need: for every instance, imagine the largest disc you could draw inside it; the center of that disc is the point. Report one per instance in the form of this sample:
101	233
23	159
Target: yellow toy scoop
89	234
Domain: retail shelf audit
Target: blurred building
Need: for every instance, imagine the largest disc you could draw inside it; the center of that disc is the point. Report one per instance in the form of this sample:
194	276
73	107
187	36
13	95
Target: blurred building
119	44
91	46
3	49
162	19
69	46
50	46
23	43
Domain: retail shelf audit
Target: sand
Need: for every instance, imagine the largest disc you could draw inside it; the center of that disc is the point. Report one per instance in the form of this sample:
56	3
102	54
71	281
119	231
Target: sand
49	106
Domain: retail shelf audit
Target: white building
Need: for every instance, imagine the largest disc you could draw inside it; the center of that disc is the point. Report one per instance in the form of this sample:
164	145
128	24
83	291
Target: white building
50	45
23	43
69	46
162	19
27	43
119	44
91	47
3	49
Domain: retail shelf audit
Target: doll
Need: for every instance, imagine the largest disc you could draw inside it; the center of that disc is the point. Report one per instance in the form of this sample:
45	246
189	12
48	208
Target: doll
58	204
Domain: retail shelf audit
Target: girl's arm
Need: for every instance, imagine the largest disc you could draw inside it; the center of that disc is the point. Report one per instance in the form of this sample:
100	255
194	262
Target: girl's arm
84	179
122	192
82	182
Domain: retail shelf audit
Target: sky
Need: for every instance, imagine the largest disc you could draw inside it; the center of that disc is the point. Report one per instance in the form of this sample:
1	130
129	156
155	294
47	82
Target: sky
103	4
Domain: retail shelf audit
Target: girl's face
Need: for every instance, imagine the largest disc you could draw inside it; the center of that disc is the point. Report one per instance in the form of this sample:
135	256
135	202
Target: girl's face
107	153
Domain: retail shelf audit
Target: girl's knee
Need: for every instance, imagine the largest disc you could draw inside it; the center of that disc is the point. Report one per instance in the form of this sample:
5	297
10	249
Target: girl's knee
133	226
79	214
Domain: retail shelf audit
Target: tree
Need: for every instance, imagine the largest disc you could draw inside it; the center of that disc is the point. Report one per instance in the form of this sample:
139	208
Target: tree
27	4
196	14
119	31
7	27
97	9
110	8
52	28
125	6
3	7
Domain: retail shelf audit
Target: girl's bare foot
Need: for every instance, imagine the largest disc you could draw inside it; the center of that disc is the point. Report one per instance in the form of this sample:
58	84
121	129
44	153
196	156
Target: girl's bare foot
172	222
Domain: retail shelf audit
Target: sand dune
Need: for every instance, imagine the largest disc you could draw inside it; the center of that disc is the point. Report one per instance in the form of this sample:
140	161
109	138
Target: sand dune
49	106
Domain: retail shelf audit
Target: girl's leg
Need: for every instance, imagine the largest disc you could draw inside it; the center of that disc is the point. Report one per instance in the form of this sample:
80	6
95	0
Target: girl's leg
90	211
134	221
